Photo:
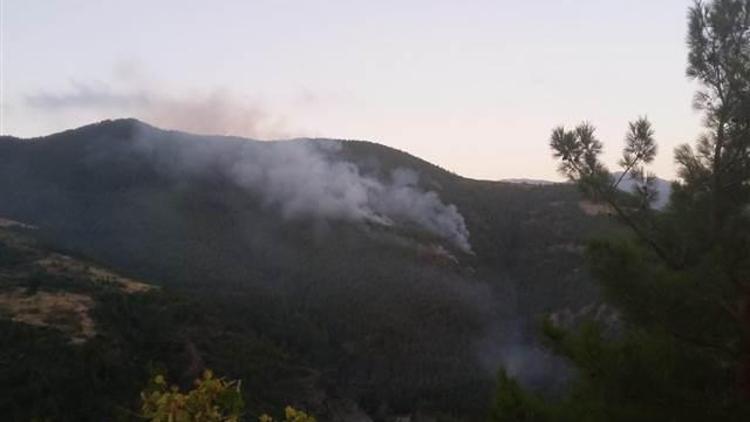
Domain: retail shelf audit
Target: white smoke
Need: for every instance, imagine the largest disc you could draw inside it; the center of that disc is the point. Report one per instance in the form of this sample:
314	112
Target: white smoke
306	178
210	111
405	199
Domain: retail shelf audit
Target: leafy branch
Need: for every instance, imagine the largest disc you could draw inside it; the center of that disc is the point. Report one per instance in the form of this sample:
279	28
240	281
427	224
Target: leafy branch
579	151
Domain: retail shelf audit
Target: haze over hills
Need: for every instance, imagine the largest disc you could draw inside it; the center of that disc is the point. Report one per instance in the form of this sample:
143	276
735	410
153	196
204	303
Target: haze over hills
662	187
628	184
398	286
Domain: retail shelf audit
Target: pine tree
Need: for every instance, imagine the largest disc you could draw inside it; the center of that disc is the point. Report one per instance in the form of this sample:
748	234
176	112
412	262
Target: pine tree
680	277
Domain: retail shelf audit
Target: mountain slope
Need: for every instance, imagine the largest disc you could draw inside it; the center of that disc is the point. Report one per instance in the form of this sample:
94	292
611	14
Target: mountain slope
78	341
403	285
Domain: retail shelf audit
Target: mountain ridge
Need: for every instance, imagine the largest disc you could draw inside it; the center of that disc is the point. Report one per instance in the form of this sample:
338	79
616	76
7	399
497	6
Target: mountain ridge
342	252
133	125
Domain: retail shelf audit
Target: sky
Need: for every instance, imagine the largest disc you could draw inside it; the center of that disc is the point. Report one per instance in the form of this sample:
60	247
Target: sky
474	86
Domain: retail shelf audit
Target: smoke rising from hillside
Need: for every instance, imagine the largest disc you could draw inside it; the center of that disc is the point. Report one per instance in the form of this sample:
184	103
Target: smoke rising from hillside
302	178
215	111
306	179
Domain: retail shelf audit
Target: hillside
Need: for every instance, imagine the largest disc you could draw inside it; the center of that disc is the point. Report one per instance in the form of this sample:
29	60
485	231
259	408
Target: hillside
399	286
78	340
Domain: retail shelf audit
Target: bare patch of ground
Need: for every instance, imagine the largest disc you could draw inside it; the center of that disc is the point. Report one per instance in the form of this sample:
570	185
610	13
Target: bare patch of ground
63	311
64	265
67	312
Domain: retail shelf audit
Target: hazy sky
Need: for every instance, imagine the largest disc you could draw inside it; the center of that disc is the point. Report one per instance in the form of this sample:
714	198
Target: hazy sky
474	86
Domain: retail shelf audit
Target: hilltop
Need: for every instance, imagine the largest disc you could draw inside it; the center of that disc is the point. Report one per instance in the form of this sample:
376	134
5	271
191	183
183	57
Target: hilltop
399	286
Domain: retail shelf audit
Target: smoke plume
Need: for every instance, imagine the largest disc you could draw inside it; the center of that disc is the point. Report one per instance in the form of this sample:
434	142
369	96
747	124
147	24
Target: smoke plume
215	111
308	179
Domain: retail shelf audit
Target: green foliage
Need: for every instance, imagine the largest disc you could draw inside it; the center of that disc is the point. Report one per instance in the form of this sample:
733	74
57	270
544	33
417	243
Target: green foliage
644	375
578	151
512	404
290	415
212	400
719	60
681	348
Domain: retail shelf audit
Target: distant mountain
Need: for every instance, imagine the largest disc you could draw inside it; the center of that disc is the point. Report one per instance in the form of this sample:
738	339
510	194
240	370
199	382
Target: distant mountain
663	189
388	281
538	182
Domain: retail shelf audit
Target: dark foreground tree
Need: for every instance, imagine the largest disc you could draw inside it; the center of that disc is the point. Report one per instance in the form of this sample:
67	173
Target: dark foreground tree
680	278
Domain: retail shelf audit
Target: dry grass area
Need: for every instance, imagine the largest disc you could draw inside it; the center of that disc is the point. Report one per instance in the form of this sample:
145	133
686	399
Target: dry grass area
64	265
67	312
591	208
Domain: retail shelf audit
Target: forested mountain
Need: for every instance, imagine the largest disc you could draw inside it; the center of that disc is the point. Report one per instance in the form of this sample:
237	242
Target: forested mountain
328	274
148	274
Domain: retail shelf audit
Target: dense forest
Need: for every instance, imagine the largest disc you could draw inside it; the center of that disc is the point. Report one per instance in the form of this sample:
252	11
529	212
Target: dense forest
348	281
341	319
